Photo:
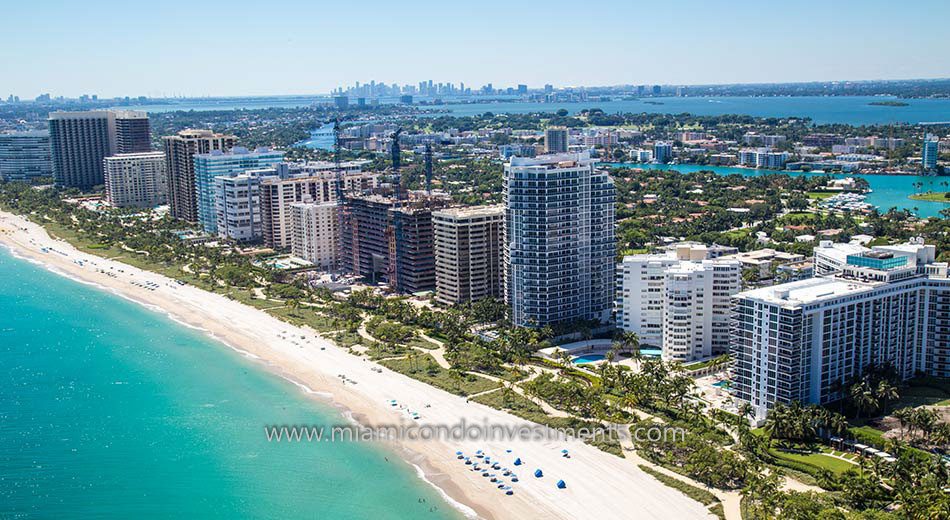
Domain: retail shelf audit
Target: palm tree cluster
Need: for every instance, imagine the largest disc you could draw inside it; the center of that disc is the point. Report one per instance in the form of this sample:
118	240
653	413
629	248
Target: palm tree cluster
798	423
923	426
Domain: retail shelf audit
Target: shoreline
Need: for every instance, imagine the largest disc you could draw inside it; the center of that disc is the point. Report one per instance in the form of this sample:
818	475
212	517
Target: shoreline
600	485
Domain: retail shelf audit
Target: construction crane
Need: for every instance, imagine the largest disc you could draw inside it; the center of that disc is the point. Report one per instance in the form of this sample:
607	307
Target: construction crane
397	180
428	164
341	205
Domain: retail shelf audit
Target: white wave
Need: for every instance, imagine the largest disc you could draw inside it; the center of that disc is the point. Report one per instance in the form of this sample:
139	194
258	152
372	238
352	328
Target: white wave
464	509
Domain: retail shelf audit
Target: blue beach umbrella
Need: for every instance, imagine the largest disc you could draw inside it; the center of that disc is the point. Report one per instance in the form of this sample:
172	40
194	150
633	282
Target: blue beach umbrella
538	473
561	484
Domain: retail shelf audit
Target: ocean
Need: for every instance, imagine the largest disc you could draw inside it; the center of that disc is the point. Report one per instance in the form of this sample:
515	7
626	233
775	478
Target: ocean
110	410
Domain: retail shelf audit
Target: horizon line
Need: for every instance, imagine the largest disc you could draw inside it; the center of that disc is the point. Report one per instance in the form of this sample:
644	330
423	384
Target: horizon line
475	92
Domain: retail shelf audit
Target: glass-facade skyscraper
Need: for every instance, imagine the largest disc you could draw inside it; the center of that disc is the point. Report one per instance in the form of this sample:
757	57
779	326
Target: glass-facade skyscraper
559	239
218	163
25	156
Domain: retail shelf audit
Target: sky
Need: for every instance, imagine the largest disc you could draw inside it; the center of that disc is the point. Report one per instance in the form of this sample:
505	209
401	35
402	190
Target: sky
216	48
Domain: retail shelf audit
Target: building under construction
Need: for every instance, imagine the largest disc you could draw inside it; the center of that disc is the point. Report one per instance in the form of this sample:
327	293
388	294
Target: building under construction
388	239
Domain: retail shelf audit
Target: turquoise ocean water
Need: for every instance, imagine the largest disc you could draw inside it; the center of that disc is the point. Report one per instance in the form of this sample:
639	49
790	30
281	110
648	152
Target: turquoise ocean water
109	410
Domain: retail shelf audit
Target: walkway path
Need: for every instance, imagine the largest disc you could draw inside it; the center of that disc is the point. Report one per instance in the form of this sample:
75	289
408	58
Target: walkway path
438	353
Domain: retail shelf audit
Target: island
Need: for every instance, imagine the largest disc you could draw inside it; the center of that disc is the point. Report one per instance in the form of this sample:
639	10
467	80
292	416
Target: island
932	196
888	104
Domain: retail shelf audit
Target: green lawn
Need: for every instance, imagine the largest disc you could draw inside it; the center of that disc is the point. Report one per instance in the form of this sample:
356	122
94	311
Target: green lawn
423	343
378	350
304	316
737	234
818	195
817	459
520	406
932	196
512	402
425	369
924	391
347	339
703	364
798	217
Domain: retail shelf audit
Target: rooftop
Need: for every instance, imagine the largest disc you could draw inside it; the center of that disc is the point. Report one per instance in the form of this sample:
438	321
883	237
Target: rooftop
807	291
470	211
560	160
837	251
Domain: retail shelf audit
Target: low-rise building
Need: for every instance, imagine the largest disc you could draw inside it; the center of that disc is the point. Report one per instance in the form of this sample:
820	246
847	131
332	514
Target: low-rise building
764	260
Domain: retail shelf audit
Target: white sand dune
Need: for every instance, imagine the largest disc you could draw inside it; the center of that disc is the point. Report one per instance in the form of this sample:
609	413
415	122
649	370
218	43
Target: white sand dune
599	485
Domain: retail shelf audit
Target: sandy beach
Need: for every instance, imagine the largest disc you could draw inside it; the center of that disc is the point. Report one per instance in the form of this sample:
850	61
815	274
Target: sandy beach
599	485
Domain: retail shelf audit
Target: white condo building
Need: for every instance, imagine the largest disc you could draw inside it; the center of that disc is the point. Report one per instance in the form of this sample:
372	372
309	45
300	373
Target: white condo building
136	179
805	340
678	301
237	205
762	158
315	236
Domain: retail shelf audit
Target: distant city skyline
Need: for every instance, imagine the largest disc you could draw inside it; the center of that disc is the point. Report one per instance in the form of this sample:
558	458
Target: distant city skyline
112	48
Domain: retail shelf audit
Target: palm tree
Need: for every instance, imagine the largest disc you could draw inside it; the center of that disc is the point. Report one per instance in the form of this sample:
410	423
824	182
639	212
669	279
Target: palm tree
941	435
836	423
456	376
863	397
629	341
412	356
507	394
925	420
886	392
564	358
293	304
904	418
746	412
777	424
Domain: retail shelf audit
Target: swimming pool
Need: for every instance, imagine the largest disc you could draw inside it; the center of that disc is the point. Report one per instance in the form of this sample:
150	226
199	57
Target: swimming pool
650	352
588	358
722	384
